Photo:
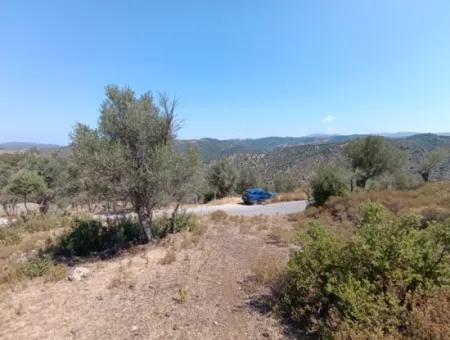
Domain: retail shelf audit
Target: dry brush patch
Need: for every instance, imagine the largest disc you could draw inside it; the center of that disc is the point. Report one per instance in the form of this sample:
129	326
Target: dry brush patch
267	268
340	214
297	195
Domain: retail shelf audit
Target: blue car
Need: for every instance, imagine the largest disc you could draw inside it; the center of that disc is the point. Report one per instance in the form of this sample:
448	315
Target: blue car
257	195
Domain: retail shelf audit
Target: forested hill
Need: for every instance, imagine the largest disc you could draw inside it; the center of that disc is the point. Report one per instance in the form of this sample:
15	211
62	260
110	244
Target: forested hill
212	149
301	161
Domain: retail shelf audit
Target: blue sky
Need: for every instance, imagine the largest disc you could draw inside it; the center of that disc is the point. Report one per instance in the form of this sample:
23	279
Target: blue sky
239	68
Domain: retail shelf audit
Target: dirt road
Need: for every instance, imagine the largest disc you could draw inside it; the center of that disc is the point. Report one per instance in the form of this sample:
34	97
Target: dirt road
205	293
282	208
236	209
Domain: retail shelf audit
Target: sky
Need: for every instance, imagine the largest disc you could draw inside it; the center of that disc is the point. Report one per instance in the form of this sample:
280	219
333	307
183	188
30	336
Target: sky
239	69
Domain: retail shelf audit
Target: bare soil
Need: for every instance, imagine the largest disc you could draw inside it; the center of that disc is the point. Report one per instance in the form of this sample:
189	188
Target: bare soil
207	292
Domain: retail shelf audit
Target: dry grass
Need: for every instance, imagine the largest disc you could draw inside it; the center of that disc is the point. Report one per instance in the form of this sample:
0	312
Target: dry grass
267	268
430	318
225	200
169	258
340	214
297	195
13	273
282	236
123	278
218	216
183	295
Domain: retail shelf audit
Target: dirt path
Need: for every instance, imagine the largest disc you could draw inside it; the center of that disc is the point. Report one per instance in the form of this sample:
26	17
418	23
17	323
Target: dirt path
204	294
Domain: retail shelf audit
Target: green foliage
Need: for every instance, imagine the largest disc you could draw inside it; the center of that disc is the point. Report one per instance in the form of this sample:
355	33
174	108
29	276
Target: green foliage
222	178
248	178
329	181
36	267
371	157
92	238
9	236
430	162
130	156
284	182
25	184
163	226
364	286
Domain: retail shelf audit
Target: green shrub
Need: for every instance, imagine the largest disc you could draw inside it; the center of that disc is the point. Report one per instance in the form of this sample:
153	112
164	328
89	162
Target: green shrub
363	287
91	237
284	182
9	236
329	181
162	225
36	267
43	266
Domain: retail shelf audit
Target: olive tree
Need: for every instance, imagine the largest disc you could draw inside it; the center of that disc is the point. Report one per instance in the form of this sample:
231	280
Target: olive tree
129	152
222	179
25	184
329	181
8	167
371	157
184	180
248	178
53	171
431	161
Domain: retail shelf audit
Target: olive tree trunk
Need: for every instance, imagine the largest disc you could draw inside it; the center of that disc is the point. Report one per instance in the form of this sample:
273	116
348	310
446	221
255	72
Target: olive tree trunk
145	216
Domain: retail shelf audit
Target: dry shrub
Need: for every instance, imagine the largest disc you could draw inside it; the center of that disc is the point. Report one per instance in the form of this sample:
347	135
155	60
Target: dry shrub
297	195
13	272
218	216
9	236
169	258
123	278
432	200
282	236
267	268
430	317
245	228
199	229
183	295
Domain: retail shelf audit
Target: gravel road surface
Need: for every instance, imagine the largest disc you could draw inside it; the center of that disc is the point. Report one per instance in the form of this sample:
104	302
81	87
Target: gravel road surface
282	208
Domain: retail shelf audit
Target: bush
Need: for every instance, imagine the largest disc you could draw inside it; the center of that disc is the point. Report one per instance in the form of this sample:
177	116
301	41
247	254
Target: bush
9	236
284	182
44	266
162	226
222	178
91	238
329	181
364	287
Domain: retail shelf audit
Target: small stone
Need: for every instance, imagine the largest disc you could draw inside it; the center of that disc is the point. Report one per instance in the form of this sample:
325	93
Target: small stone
216	323
134	328
78	274
265	334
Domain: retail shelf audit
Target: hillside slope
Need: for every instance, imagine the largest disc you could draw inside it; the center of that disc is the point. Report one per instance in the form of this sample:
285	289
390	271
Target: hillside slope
301	161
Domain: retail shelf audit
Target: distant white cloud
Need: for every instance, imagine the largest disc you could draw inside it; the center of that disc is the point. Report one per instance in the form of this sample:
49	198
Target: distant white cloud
328	119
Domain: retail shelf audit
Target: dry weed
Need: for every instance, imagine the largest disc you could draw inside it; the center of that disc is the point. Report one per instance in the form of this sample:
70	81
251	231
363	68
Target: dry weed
282	235
297	195
183	295
123	278
169	258
267	268
218	216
